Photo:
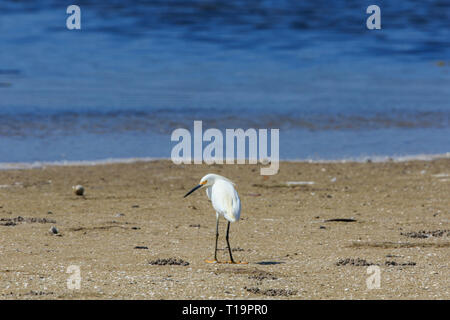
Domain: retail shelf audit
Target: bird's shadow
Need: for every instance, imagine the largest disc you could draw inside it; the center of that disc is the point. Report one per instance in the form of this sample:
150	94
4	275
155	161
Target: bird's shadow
268	263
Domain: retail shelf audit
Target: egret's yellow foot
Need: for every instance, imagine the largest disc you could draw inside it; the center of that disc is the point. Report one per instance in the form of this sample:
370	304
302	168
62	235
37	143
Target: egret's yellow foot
235	262
212	261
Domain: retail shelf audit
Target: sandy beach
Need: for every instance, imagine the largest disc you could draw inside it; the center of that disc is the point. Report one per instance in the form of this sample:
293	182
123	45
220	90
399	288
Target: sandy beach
309	232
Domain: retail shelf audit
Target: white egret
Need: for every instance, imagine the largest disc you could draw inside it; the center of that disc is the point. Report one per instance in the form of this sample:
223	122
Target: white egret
225	201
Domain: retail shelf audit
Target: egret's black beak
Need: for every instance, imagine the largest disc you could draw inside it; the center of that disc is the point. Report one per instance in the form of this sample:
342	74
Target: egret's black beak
195	188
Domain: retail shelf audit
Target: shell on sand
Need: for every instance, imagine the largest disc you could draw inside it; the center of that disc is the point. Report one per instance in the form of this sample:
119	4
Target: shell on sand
78	189
53	230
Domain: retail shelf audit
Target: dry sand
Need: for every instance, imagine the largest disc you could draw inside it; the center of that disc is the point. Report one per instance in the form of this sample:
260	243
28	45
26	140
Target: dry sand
134	214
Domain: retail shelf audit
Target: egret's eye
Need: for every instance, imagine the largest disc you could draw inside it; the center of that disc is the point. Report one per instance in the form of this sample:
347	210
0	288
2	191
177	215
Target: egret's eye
204	182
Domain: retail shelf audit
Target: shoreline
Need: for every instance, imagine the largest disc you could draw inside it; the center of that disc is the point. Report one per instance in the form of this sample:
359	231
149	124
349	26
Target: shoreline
106	161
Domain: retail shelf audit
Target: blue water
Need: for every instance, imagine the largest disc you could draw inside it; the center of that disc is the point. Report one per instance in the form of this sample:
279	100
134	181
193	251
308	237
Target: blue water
140	69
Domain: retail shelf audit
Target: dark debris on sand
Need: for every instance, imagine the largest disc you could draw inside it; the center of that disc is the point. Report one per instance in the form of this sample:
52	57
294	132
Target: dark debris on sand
354	262
271	292
402	264
30	293
238	249
262	275
341	220
19	219
169	262
364	263
422	234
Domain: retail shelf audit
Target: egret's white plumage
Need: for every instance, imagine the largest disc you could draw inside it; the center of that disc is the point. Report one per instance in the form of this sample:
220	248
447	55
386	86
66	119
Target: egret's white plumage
223	196
225	201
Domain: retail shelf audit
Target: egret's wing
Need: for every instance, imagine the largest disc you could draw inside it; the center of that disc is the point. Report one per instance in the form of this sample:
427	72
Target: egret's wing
222	202
226	201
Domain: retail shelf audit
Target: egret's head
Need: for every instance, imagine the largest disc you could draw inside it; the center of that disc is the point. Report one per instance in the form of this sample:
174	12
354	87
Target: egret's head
206	181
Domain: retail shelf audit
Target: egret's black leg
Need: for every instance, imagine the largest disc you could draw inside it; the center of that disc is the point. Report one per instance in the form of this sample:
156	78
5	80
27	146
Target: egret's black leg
217	236
228	242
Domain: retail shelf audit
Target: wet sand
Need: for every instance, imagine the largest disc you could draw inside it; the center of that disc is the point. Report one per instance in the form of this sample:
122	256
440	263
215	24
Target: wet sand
134	236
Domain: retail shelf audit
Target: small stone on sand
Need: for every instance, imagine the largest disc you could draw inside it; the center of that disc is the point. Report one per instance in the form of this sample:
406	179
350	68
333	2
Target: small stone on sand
79	190
53	230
